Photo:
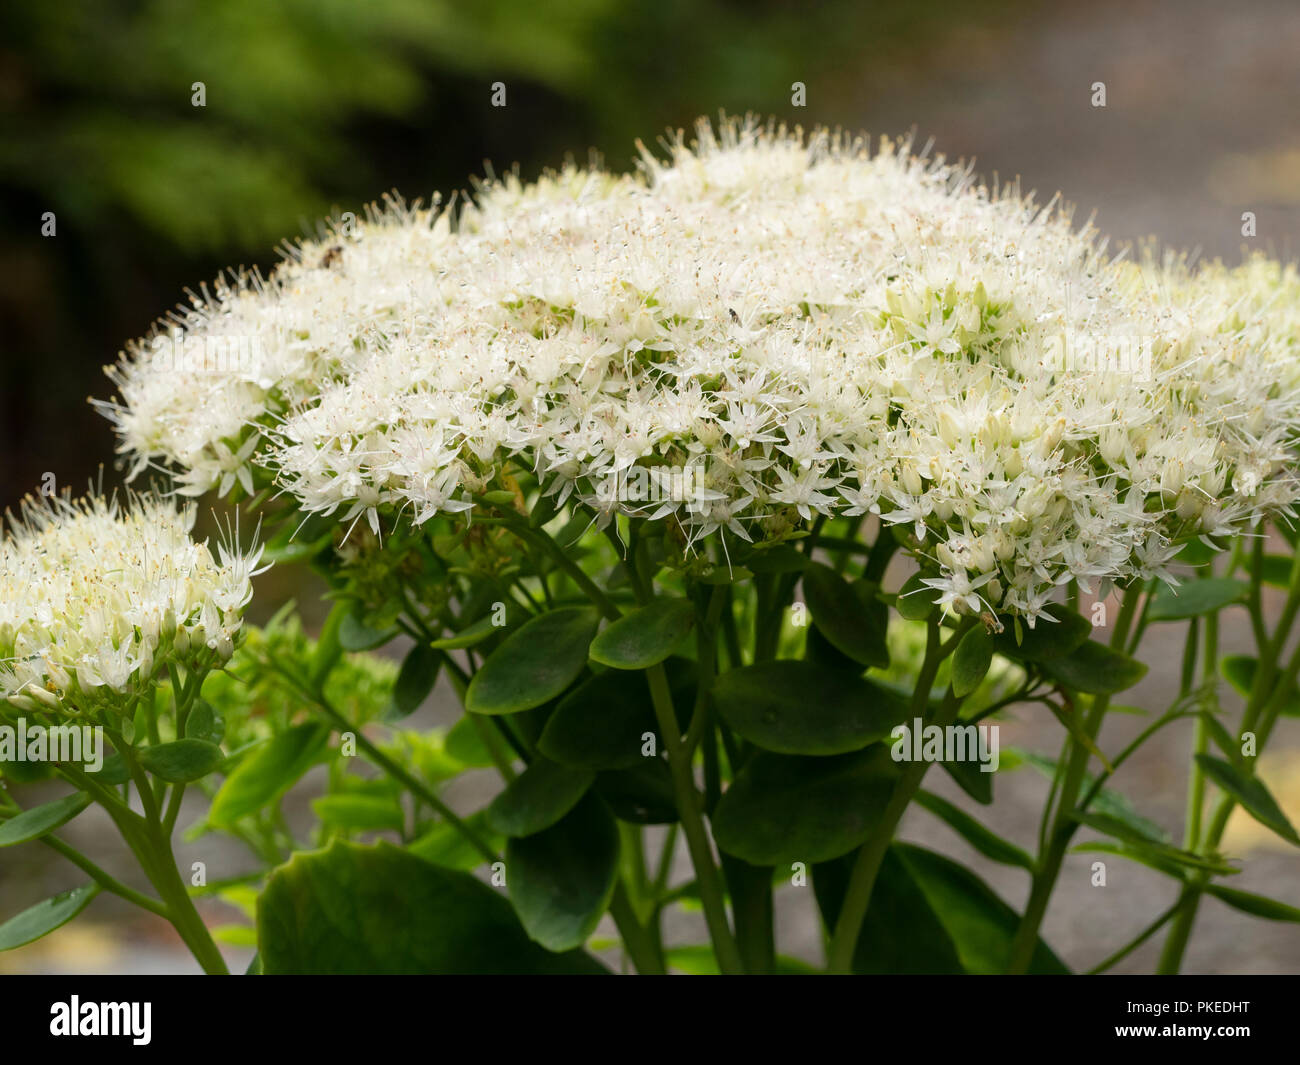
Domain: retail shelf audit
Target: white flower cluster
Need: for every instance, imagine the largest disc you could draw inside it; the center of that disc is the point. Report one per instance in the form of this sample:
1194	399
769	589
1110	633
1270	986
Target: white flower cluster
805	326
95	597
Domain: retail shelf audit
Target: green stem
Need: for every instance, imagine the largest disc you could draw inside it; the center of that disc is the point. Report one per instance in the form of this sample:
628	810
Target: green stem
866	867
1266	696
102	878
1171	955
752	905
150	843
572	569
640	945
1140	938
184	917
1063	826
1201	742
689	813
413	785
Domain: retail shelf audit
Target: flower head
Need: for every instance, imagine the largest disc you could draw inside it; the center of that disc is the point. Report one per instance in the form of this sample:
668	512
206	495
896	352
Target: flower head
95	597
807	326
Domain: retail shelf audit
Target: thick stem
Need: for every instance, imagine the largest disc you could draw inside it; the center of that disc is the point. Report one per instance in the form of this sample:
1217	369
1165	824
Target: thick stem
166	878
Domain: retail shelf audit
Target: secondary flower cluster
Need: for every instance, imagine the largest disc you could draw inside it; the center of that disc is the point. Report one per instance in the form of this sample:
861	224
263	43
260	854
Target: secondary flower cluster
803	326
95	597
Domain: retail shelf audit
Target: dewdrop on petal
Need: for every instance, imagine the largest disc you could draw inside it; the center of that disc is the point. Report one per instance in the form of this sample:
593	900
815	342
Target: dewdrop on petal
815	327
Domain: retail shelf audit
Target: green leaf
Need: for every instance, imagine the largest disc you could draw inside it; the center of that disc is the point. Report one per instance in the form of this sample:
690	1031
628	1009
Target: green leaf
444	844
544	509
181	761
1196	553
822	654
235	935
45	917
844	617
40	820
1223	739
25	772
267	772
537	798
971	779
1159	852
355	635
1276	570
979	923
641	794
113	772
971	661
415	680
359	813
471	636
204	723
600	724
1168	860
465	744
715	575
1194	598
786	808
1118	827
1047	640
1239	671
534	664
1095	668
561	879
929	915
901	934
328	648
795	707
1106	801
380	910
987	842
1255	905
646	636
915	600
1250	791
